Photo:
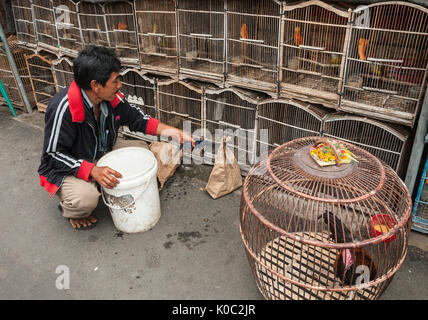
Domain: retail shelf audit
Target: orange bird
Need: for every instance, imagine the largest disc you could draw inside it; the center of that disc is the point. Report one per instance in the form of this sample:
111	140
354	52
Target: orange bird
244	31
298	39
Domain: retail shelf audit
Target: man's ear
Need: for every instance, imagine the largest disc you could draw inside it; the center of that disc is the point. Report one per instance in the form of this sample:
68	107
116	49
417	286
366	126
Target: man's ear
95	86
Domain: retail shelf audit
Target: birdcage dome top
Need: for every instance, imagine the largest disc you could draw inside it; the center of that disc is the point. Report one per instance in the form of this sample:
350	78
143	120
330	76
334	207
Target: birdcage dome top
292	194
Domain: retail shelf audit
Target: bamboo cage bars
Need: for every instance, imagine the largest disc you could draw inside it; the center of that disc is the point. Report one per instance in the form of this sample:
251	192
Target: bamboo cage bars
24	23
43	81
92	23
387	62
252	44
63	71
67	25
387	142
157	35
201	42
312	52
121	31
46	30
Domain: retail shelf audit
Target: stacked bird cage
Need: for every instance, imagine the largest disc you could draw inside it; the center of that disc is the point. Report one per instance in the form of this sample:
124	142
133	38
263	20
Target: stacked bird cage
280	121
179	105
92	21
44	19
231	112
201	43
24	23
314	228
253	44
388	142
8	78
387	61
139	91
121	31
63	70
43	81
157	36
312	52
67	25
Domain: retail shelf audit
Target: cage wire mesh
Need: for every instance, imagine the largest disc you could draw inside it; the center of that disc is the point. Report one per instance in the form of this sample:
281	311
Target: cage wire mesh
44	19
93	25
63	71
231	112
67	25
387	61
388	142
314	36
8	78
332	233
121	31
42	78
24	23
157	35
201	43
253	43
280	121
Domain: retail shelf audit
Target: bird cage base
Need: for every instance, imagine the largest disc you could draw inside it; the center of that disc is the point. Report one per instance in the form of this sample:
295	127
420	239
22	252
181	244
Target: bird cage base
253	84
129	62
45	47
310	89
68	52
389	112
199	74
300	263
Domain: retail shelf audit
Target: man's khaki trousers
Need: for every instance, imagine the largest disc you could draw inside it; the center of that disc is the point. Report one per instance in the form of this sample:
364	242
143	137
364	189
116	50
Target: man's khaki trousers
79	198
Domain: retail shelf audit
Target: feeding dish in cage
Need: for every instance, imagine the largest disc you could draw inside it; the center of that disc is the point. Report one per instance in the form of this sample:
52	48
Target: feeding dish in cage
381	224
191	55
328	153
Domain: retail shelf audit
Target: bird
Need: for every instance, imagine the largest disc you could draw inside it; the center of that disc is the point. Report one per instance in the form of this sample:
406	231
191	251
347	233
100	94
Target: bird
362	46
244	31
348	260
298	39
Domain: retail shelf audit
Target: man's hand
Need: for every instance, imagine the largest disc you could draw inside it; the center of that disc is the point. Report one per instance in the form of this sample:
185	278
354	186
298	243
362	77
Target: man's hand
177	134
105	176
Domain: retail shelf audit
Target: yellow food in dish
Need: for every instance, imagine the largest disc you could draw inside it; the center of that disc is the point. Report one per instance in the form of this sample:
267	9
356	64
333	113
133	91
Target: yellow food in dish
381	228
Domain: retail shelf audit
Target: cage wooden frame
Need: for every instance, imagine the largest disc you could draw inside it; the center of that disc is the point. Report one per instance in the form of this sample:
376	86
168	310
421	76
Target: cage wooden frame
24	23
259	42
68	27
311	66
208	63
92	23
370	75
63	71
160	56
46	28
396	136
235	114
42	98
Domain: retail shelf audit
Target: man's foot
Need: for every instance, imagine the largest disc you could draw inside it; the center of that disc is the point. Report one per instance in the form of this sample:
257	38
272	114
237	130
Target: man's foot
84	223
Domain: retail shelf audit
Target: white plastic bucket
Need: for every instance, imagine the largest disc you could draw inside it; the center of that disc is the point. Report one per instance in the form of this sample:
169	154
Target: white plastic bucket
134	202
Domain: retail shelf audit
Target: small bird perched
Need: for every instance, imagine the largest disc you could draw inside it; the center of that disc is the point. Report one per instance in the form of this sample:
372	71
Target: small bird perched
345	268
244	31
298	39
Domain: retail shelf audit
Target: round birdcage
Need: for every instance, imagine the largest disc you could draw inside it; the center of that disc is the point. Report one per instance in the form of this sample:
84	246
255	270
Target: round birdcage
317	228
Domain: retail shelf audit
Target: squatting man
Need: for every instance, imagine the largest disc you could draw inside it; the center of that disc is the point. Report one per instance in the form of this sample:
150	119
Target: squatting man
81	125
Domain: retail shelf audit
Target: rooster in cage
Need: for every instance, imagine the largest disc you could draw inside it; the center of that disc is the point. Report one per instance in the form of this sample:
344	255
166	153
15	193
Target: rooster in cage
352	263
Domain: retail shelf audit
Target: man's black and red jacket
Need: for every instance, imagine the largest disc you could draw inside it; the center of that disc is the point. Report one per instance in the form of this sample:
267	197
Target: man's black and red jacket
72	136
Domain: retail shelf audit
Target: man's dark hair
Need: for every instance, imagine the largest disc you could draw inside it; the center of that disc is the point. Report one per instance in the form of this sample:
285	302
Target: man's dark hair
95	63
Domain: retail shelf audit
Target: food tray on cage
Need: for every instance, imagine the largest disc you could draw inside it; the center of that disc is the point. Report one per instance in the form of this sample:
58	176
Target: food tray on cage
300	263
324	154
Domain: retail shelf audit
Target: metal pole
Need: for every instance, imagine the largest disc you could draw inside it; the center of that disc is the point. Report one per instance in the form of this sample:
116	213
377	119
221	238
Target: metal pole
15	71
418	146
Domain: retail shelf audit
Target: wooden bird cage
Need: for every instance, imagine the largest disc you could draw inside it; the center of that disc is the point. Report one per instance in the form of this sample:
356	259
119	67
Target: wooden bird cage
44	19
314	37
42	78
63	70
121	31
201	42
179	104
67	25
8	78
24	23
231	112
253	44
323	233
93	25
139	91
388	142
387	62
280	121
157	36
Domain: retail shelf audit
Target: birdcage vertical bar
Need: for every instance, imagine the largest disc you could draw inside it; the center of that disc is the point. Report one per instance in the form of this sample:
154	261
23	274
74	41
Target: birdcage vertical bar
44	19
24	23
63	71
92	23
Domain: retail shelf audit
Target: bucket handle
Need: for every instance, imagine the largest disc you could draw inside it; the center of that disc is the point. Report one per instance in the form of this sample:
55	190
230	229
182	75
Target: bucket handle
128	205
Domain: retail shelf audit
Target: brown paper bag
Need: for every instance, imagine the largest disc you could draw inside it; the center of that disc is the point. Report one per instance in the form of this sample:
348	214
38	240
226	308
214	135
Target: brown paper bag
168	160
226	174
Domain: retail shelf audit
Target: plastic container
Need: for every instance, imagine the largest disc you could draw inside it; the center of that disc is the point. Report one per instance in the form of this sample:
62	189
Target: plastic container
382	223
134	203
